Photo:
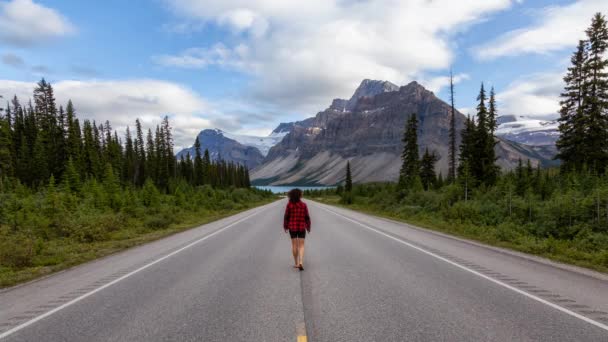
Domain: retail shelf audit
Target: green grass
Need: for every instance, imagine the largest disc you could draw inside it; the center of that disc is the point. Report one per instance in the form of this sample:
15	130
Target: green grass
58	254
504	235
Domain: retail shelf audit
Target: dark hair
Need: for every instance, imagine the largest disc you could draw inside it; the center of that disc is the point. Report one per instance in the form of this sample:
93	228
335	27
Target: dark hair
294	195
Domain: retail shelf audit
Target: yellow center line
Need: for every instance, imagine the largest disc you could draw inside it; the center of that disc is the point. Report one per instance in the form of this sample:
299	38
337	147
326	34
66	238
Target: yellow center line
301	332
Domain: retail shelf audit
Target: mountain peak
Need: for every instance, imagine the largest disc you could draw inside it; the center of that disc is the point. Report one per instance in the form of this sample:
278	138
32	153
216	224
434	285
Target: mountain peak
373	87
370	88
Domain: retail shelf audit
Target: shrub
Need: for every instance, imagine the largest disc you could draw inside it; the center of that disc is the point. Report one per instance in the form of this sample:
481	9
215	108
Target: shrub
16	251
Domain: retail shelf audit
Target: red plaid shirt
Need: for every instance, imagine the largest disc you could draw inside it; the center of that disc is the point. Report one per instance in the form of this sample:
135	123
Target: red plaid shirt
296	217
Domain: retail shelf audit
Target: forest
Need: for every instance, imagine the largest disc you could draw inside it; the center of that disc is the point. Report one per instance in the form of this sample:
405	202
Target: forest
560	213
70	193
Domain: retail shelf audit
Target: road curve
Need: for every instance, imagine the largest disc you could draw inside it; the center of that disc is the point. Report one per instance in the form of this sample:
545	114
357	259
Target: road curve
366	279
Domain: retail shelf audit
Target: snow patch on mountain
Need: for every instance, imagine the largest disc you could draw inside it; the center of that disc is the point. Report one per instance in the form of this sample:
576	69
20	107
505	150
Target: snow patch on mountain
526	130
261	143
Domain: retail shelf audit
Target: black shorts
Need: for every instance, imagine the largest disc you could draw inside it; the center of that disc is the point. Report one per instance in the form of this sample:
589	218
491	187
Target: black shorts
299	234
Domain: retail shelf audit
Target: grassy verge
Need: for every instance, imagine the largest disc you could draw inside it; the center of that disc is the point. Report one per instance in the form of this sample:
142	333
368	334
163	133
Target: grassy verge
59	254
504	235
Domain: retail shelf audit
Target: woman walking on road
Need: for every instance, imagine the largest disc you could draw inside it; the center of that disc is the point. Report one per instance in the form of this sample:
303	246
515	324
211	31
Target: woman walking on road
297	222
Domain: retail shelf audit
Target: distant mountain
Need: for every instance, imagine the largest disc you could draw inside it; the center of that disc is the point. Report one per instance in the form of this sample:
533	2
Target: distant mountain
528	131
367	130
261	143
225	146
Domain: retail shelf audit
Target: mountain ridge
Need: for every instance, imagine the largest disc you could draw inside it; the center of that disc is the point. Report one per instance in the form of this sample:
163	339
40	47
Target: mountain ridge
368	134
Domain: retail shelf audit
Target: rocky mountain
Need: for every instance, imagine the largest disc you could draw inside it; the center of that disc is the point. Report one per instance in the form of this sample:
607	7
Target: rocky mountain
222	145
528	131
367	130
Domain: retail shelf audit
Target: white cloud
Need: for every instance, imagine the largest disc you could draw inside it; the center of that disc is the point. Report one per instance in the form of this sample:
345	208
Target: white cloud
23	23
535	96
302	54
558	27
435	84
198	58
121	102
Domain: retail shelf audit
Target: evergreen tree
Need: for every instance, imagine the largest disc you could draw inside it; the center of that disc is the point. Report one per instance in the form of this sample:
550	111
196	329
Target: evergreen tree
440	182
90	154
452	147
348	183
169	158
74	144
40	169
198	163
207	168
483	167
129	160
570	120
6	160
71	178
162	170
467	148
595	104
111	186
427	169
410	168
140	155
492	113
189	169
150	156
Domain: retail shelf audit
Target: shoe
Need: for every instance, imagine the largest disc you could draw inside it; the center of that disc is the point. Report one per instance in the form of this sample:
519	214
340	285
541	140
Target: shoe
301	267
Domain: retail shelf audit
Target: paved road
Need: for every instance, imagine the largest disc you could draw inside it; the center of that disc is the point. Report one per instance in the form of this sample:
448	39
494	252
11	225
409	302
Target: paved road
366	279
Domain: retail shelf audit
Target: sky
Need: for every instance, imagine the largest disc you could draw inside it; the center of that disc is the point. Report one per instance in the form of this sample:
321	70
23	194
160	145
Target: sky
245	66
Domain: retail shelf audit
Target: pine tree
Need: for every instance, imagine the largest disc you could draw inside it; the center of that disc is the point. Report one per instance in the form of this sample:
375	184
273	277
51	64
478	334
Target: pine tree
207	168
427	169
111	186
452	151
348	183
6	159
595	105
169	158
74	144
140	155
71	178
129	159
440	182
162	170
90	154
189	169
150	157
467	148
40	168
480	160
410	168
6	143
570	120
492	112
198	164
483	167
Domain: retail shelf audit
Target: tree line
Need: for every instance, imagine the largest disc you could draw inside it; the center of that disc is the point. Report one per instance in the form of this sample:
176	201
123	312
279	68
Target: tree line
40	141
583	126
476	158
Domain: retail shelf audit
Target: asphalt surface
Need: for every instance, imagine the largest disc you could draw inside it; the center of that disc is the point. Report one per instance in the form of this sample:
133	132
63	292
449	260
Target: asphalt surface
365	279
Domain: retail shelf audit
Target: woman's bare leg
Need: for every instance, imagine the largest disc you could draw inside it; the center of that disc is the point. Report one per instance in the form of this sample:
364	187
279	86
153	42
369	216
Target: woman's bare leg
301	250
294	250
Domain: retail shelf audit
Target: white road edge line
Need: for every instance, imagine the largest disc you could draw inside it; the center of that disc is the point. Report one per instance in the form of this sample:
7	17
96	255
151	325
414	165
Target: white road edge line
538	299
75	300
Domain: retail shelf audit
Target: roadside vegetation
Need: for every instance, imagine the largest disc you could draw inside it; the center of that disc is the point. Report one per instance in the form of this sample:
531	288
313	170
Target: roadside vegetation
72	193
560	213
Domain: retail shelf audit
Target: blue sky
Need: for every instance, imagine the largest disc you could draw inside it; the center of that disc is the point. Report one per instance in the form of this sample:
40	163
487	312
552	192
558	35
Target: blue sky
246	65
